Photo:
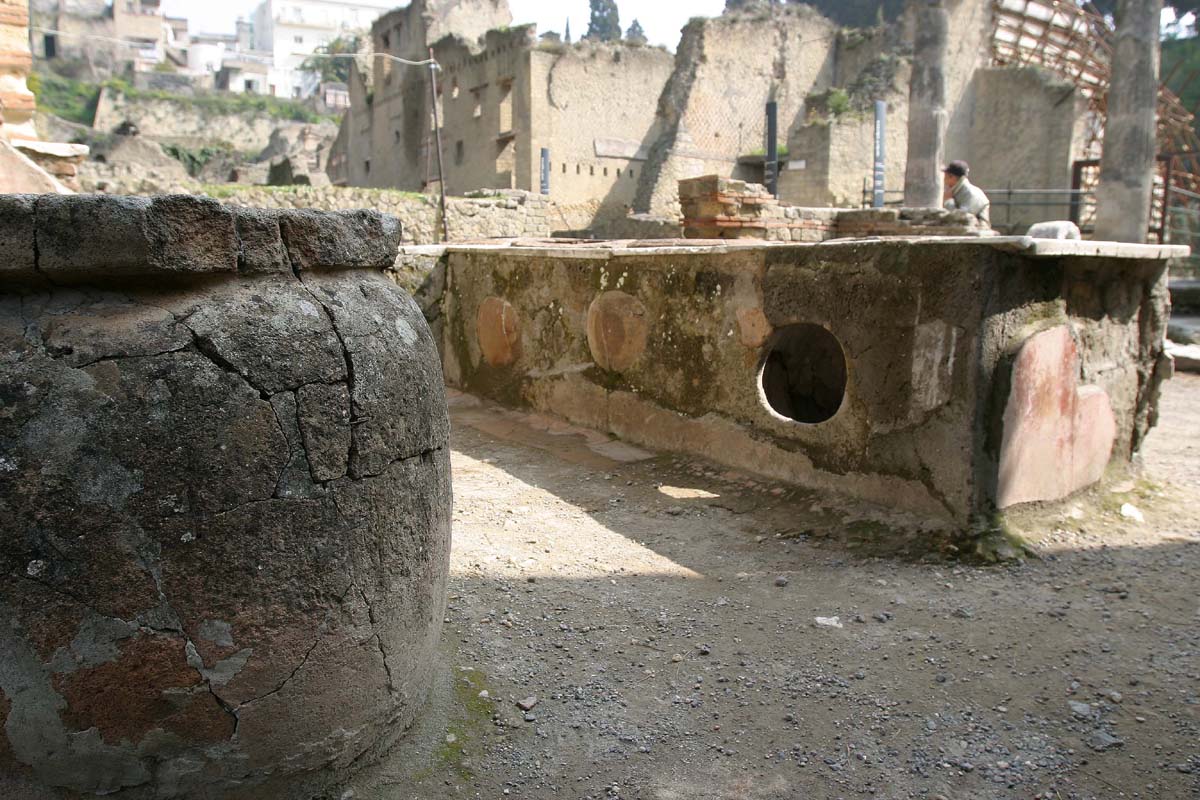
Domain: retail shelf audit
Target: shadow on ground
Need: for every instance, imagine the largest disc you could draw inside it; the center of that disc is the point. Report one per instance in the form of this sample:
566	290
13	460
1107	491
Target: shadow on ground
664	615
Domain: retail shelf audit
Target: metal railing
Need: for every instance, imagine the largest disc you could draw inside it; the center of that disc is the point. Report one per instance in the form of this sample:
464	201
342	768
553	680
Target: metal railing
1004	201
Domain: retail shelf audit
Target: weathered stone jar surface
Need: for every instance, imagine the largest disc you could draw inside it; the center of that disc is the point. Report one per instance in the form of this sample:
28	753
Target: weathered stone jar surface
224	498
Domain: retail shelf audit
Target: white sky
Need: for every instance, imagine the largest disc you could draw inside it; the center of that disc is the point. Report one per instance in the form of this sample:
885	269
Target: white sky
662	19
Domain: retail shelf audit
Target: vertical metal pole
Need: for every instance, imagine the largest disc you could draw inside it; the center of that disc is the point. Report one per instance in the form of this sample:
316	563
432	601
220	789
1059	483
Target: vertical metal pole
880	173
545	170
771	167
437	128
1166	206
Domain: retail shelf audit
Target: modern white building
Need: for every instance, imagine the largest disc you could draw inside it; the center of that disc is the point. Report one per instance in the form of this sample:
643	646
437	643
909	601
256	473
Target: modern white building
290	30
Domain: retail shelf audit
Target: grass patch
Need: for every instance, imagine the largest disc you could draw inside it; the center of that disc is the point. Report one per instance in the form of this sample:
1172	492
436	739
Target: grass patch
225	103
195	159
782	150
473	712
838	102
72	100
75	101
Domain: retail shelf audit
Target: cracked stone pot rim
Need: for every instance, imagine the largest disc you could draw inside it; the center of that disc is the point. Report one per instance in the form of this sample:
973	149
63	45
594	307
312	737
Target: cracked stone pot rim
70	239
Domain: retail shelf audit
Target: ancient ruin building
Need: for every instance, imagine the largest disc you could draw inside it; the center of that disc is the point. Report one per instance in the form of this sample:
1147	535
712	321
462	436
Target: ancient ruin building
26	164
504	98
101	38
1037	69
519	97
386	137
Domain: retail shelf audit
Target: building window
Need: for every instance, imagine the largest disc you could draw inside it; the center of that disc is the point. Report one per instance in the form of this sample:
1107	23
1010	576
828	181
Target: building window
459	153
387	42
248	87
298	39
477	112
397	137
564	168
367	166
592	170
454	90
606	172
296	92
631	172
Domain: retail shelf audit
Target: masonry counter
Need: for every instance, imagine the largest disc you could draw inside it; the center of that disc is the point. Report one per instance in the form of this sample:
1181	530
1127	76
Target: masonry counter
949	377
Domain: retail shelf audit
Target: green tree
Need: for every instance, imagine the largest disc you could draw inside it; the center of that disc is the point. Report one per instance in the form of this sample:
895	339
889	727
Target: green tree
636	34
605	24
1181	70
333	69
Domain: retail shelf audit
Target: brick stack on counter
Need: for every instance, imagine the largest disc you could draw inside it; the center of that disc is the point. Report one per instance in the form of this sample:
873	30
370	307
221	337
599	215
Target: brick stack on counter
723	208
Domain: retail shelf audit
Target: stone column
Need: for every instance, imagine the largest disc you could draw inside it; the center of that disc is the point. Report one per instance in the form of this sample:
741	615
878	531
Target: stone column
927	115
1127	166
16	101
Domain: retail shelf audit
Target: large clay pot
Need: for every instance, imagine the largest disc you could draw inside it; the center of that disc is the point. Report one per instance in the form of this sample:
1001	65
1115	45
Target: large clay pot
224	497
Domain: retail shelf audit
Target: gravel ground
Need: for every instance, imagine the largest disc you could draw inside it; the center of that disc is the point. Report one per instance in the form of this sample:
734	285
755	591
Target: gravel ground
626	626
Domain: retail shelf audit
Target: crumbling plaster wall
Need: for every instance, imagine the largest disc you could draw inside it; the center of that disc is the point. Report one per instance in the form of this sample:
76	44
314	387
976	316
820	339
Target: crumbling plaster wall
1022	127
594	108
384	140
830	154
726	69
1027	128
485	100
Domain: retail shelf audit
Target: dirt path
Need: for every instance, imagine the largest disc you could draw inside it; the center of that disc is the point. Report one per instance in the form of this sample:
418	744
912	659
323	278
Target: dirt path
663	614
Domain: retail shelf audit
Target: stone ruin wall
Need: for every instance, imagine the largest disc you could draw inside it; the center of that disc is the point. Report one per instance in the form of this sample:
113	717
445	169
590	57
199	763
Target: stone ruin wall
589	117
726	69
489	215
709	113
504	97
171	120
384	142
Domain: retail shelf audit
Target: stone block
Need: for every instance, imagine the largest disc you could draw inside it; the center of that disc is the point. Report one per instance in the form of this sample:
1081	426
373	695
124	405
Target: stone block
260	242
122	236
16	235
341	239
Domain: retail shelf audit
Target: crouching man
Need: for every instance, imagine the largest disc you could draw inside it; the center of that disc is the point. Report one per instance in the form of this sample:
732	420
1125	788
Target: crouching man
962	195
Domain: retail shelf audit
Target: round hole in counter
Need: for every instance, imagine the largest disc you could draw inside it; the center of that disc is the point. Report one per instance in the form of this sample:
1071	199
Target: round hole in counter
803	376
